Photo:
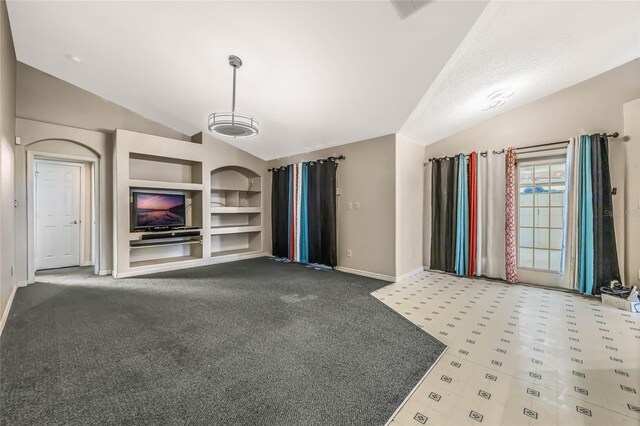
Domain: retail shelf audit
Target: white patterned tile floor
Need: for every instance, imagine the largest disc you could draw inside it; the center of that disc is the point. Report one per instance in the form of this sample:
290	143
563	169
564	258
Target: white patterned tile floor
519	355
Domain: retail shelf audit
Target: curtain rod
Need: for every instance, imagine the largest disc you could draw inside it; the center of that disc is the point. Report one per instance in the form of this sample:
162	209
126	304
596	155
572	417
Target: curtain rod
613	135
340	157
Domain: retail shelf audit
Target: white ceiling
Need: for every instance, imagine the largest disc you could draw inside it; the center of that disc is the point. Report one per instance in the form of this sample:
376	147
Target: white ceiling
534	48
325	73
315	73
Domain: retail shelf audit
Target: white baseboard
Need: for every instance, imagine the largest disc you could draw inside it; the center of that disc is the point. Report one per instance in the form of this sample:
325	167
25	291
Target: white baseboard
105	272
235	257
5	314
366	274
410	274
21	284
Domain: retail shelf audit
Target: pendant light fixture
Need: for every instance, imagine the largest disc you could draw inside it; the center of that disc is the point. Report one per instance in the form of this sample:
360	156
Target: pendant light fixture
232	123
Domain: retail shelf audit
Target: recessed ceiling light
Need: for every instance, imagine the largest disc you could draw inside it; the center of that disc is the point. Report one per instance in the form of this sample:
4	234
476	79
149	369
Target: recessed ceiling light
498	98
74	58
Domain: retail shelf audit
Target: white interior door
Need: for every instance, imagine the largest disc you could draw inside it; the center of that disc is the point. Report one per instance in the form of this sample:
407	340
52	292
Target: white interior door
58	212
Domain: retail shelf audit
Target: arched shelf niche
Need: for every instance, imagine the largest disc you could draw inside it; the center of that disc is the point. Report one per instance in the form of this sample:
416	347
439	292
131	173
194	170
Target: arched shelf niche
236	212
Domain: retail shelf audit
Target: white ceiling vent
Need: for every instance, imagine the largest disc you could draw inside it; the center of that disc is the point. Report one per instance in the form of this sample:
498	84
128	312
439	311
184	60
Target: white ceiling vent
406	8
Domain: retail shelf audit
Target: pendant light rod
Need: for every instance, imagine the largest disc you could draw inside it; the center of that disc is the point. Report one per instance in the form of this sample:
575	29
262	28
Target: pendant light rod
233	102
235	63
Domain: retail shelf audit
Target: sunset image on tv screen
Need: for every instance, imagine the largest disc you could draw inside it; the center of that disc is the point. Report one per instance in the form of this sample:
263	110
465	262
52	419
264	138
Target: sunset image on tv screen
159	210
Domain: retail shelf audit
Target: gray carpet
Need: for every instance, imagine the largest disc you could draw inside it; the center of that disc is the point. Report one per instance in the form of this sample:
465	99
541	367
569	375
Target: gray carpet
251	342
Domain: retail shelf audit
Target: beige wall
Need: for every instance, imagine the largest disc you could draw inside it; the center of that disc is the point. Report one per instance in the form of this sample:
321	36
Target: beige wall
42	97
367	176
59	118
632	193
593	106
7	135
55	117
53	140
409	206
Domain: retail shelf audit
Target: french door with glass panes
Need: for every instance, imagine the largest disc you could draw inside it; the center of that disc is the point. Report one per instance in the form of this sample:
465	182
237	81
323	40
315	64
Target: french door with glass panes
541	199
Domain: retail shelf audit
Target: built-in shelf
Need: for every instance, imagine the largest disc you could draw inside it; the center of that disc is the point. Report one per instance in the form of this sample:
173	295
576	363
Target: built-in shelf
221	230
165	244
224	209
177	233
236	189
235	252
173	186
154	262
236	222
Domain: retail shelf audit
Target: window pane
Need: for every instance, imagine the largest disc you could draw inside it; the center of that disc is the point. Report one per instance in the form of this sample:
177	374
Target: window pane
541	259
542	196
557	173
555	239
557	217
526	198
555	256
556	198
526	237
542	174
541	216
542	238
526	217
526	175
525	258
541	199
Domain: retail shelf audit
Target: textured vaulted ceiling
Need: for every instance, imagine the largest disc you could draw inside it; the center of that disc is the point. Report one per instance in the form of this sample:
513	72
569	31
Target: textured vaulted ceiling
324	73
315	73
533	48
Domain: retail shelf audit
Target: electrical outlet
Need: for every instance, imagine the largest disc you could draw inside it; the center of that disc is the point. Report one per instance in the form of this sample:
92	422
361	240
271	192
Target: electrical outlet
349	205
348	253
357	205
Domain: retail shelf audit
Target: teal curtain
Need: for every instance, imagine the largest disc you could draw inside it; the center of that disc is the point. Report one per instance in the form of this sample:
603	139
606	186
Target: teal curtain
304	217
585	218
462	222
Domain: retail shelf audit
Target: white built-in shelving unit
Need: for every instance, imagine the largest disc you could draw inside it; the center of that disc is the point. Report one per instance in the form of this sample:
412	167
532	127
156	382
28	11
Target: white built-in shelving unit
236	212
224	202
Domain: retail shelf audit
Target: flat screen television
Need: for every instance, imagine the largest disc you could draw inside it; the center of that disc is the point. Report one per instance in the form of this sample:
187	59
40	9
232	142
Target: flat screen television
152	210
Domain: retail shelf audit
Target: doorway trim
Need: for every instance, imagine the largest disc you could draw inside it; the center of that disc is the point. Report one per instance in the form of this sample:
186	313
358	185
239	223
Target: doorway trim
94	164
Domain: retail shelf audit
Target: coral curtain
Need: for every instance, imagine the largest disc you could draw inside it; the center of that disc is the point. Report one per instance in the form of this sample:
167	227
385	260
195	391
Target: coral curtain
473	158
605	255
585	219
280	212
443	214
292	212
462	223
510	249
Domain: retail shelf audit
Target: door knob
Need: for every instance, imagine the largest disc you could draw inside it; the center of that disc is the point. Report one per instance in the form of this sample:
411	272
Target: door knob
75	222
